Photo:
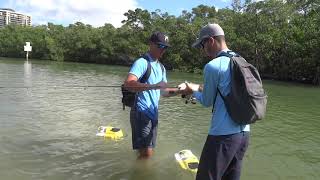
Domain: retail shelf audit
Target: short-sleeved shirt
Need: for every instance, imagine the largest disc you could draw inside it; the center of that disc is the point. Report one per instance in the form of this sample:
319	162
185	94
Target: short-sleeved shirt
217	75
148	101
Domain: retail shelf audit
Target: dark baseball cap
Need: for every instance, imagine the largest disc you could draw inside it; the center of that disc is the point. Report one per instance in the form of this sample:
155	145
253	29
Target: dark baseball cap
160	38
209	30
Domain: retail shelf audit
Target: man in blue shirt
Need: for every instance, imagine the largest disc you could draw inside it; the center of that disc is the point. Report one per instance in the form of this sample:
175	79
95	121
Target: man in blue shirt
144	113
227	141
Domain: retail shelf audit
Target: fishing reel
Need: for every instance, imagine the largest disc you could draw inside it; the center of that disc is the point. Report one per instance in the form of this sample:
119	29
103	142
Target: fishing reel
189	99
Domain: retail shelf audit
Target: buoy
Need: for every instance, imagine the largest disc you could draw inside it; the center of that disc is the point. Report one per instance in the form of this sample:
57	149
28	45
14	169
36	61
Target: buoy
187	160
110	132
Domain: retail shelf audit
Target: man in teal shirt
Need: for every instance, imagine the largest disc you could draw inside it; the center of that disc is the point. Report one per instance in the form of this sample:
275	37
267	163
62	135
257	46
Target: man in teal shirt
227	141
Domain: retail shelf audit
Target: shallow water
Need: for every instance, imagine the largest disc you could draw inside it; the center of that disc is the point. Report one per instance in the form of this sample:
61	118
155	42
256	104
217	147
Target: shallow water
48	131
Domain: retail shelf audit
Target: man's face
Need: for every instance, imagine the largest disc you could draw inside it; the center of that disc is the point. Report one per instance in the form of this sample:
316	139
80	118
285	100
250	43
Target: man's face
158	49
208	47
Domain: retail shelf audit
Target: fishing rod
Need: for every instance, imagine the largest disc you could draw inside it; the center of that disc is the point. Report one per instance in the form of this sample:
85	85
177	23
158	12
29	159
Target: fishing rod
189	98
72	86
75	86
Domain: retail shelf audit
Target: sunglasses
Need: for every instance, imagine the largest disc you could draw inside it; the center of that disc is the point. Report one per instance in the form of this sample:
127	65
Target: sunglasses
203	42
161	46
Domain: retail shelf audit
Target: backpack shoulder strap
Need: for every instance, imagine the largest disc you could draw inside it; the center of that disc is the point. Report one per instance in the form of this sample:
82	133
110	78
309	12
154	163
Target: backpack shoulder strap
146	75
215	98
162	68
228	54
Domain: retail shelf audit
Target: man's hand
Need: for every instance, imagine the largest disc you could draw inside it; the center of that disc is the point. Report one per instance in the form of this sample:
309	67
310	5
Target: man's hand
193	87
184	89
182	86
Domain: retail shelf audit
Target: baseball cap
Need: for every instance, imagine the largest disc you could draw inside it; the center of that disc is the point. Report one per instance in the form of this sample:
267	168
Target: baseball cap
209	30
160	38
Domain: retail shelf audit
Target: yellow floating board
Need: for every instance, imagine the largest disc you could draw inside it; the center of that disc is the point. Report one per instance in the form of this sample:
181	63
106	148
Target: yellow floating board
187	160
110	132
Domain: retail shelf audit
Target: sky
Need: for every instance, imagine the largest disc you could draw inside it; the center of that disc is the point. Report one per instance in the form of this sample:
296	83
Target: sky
99	12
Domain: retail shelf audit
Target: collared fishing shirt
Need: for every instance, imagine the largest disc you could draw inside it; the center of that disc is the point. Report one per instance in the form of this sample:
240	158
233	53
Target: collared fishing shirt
217	75
148	101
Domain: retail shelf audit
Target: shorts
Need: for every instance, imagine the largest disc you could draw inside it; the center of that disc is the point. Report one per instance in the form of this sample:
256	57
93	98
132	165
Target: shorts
144	131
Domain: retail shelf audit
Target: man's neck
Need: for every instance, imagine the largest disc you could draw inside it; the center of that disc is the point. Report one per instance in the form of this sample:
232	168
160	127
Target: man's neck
152	56
223	47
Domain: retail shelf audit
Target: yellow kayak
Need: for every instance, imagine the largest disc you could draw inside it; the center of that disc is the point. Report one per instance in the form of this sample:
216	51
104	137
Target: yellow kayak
187	160
110	132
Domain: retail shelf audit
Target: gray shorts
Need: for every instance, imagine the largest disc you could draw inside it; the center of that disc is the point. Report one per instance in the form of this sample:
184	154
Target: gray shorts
144	131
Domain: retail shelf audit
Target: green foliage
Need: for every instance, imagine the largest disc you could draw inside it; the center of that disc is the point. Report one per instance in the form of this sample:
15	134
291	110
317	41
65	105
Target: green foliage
282	38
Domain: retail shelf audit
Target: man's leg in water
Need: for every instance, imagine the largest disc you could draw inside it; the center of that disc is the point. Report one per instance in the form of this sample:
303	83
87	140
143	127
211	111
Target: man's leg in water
144	134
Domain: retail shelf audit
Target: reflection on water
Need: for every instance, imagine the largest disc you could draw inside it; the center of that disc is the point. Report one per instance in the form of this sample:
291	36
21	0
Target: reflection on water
27	69
27	74
49	133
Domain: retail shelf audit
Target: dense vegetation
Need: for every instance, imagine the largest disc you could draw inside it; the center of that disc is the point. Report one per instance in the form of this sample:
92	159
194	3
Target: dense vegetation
281	38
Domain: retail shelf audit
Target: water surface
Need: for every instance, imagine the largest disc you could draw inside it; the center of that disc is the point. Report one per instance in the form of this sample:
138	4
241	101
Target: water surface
48	131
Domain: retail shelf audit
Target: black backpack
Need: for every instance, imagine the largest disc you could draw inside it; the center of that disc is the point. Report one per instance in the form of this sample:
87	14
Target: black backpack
128	97
246	103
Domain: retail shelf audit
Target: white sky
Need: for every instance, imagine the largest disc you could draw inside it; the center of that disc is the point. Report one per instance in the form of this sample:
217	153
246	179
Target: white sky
94	12
98	12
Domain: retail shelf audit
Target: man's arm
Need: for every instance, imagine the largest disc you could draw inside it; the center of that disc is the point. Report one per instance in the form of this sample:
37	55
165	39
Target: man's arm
168	92
206	93
132	84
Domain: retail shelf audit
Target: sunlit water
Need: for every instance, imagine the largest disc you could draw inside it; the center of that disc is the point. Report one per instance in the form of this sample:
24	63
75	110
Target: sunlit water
48	131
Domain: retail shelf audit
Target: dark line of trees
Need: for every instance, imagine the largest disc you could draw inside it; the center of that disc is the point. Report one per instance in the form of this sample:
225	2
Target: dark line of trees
281	38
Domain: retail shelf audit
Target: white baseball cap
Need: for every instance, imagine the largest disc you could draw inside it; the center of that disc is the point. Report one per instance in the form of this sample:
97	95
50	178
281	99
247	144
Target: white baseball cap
209	30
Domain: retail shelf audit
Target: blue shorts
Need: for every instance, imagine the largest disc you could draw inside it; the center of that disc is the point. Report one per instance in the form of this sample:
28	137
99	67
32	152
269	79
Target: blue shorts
222	157
144	131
